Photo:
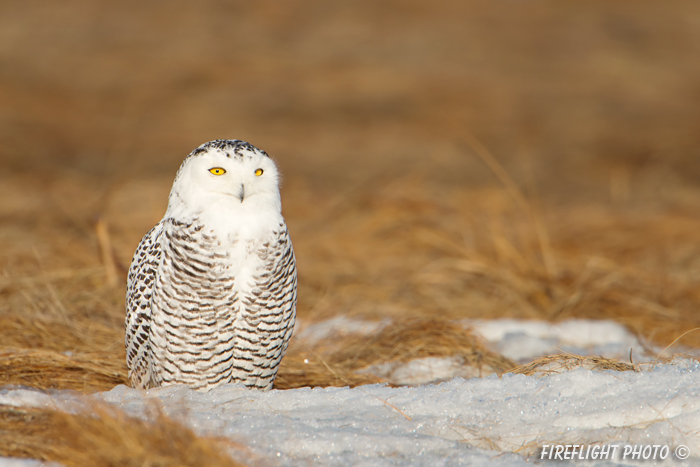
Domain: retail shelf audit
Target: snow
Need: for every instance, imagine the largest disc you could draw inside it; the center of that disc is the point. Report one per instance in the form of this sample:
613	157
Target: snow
336	327
523	340
519	340
479	421
13	462
424	371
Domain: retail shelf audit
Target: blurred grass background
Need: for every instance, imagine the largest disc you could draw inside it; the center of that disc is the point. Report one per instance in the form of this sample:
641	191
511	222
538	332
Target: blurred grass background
442	160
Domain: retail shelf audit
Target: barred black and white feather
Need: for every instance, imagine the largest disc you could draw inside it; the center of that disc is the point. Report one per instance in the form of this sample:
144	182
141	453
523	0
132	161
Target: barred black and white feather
212	288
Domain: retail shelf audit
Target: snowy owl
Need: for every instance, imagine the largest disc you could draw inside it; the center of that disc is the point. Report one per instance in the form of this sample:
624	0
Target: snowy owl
212	288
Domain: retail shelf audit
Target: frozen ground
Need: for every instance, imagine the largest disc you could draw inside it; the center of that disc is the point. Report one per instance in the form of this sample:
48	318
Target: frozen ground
522	340
519	340
489	421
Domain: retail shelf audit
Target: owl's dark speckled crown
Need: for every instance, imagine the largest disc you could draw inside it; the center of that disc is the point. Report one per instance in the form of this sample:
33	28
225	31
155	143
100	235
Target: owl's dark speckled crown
226	145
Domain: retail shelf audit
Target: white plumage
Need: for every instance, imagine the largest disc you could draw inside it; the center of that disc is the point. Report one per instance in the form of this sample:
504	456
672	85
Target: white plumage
212	288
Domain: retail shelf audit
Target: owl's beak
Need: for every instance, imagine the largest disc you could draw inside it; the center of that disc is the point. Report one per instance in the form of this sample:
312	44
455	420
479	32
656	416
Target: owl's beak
241	192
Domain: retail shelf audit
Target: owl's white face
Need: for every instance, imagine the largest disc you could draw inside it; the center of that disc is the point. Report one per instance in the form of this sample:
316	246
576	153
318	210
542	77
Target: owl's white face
239	178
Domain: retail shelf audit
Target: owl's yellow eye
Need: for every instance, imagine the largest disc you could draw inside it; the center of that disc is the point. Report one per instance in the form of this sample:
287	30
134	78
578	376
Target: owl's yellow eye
217	170
258	172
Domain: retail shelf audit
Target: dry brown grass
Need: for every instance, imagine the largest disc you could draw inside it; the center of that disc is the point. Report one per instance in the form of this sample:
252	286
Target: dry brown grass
576	197
106	437
60	353
336	362
551	364
49	370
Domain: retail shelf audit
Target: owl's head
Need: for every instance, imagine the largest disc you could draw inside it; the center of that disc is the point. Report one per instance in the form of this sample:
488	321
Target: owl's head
226	172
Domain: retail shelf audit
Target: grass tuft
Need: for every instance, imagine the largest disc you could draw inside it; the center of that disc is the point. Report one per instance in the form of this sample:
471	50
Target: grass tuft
337	362
552	364
106	437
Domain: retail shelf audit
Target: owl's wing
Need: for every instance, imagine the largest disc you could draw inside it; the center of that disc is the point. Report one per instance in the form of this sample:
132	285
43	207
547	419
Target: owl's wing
139	288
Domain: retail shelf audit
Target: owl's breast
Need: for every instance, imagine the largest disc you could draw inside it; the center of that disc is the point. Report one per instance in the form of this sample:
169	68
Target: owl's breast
219	298
245	258
221	260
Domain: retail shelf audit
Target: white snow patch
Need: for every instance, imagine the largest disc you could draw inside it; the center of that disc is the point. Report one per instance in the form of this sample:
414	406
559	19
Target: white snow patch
519	340
425	370
460	422
338	327
523	340
15	462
